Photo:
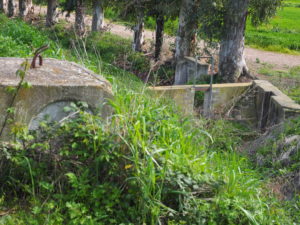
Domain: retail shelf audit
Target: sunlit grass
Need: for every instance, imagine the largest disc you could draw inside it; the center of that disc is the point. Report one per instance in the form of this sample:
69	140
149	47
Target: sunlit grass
282	34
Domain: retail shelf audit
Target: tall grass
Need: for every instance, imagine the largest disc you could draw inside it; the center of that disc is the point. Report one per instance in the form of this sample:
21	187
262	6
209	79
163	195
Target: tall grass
148	164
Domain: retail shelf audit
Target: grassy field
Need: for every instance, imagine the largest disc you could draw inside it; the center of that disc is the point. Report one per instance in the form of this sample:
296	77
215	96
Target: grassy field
149	165
282	34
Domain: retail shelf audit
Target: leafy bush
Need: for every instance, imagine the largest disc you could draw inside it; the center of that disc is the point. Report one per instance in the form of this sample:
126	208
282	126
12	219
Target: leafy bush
18	38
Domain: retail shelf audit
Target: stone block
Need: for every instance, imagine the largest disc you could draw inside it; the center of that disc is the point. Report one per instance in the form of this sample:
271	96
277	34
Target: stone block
54	85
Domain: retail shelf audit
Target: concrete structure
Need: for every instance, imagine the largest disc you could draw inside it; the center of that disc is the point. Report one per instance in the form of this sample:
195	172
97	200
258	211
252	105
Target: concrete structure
223	94
188	71
54	85
258	104
183	96
272	106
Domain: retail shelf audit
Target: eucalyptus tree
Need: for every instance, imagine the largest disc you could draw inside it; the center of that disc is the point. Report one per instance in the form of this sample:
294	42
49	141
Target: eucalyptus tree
2	6
187	28
225	20
10	8
24	7
52	6
79	7
133	11
79	17
98	15
51	12
138	30
161	10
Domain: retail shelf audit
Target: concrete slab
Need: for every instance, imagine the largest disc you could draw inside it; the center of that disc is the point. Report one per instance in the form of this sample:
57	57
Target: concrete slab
55	82
223	94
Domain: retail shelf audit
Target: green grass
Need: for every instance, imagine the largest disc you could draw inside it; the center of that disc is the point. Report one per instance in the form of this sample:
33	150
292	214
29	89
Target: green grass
149	165
282	34
287	81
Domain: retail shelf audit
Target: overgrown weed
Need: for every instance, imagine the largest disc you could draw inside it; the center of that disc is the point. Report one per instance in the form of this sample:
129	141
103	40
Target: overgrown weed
148	164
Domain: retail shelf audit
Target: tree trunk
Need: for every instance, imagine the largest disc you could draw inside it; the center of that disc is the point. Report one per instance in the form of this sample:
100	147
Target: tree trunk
98	16
185	36
2	6
232	62
51	9
159	39
187	28
11	8
22	8
79	18
138	34
28	6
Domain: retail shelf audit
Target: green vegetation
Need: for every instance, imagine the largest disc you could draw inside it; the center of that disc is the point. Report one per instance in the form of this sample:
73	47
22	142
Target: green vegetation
287	81
281	34
147	165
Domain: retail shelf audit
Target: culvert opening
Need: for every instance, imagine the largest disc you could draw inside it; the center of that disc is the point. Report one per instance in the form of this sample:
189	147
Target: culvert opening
58	112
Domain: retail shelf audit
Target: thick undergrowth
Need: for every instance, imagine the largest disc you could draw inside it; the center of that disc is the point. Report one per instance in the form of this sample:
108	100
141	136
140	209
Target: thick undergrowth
146	164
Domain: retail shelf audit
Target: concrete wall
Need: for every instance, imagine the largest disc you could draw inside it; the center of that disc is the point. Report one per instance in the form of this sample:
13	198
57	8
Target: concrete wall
188	71
183	96
258	104
55	82
272	106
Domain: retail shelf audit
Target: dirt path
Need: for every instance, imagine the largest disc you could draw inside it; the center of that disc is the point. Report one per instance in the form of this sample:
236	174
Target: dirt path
279	61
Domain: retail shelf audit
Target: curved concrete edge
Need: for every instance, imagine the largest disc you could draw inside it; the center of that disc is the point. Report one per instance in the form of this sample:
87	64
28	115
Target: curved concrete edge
56	81
273	106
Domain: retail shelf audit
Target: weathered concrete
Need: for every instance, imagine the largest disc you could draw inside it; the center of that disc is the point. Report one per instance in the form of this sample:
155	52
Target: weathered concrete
189	70
223	94
272	106
183	96
55	82
259	104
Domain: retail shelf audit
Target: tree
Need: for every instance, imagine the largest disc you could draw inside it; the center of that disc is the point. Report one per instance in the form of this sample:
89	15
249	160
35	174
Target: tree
133	11
185	35
24	6
225	20
78	6
161	11
138	30
232	62
11	8
51	11
98	15
2	6
79	18
159	35
187	28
